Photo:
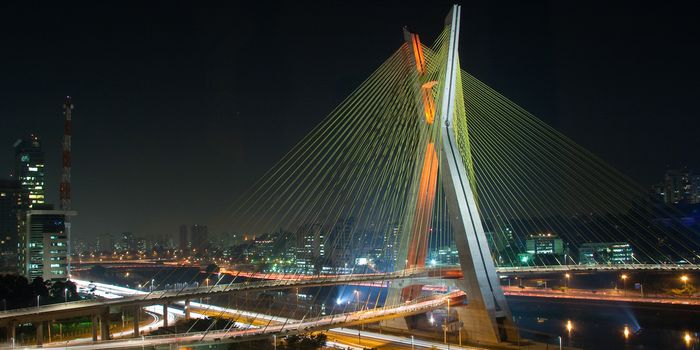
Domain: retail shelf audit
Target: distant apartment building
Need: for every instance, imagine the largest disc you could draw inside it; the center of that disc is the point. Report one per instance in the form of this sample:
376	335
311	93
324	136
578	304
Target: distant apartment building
13	201
104	243
310	248
45	244
544	243
127	242
679	186
199	236
184	242
605	253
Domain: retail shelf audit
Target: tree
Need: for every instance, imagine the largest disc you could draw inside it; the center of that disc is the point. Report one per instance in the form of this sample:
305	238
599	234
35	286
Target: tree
39	287
63	291
305	342
212	268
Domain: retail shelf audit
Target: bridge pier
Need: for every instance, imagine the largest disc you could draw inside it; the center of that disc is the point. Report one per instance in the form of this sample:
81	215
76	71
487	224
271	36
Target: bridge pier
95	321
11	331
165	314
39	333
137	319
187	309
104	325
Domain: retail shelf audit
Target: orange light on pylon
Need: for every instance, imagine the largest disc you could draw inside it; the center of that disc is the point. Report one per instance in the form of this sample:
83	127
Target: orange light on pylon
428	101
418	54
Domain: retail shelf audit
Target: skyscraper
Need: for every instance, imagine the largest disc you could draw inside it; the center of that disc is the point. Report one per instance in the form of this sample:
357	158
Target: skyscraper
679	186
200	236
184	242
13	200
29	168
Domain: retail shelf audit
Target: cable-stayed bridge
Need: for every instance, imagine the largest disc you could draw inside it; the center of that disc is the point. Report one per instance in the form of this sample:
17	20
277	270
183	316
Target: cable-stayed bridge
424	155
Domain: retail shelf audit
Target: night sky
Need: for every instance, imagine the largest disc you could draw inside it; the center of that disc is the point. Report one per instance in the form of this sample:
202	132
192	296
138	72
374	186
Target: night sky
179	109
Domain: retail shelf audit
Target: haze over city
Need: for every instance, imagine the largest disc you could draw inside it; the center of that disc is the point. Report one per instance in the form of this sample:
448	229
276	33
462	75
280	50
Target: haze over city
174	109
383	175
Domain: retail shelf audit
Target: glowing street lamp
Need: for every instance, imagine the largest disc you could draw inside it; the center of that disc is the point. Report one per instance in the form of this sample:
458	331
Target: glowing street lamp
687	338
626	332
684	279
624	284
566	280
569	327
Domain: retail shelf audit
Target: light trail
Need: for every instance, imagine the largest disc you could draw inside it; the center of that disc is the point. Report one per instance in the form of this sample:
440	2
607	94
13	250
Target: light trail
276	325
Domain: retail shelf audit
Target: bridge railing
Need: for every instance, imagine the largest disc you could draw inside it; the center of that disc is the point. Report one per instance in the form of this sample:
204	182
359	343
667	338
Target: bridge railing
46	307
154	296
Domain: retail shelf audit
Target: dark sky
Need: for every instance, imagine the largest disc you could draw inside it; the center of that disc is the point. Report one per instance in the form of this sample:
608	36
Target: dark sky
180	109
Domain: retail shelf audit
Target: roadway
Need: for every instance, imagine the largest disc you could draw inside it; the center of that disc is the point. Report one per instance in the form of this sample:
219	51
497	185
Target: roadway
90	307
601	295
150	263
268	325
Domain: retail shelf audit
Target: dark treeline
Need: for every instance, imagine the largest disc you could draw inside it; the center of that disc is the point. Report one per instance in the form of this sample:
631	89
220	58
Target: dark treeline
17	292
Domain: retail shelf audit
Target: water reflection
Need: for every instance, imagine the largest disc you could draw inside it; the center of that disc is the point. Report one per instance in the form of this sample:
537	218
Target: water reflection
610	326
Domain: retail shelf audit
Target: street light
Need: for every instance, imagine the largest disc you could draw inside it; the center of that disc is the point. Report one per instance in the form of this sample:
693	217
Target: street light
560	342
624	284
566	280
446	319
684	278
687	338
569	327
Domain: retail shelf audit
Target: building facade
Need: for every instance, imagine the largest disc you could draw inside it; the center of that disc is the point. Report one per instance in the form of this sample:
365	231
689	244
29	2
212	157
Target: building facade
605	253
29	169
45	252
544	243
679	186
200	237
13	202
184	242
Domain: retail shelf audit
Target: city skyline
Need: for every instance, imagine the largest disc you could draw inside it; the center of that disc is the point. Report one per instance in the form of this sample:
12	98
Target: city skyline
295	175
124	133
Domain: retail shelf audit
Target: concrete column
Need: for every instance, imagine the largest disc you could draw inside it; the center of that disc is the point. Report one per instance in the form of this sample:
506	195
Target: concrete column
39	333
11	331
94	327
137	319
104	325
165	314
187	309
